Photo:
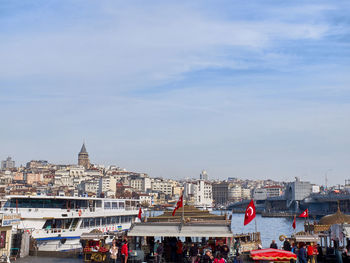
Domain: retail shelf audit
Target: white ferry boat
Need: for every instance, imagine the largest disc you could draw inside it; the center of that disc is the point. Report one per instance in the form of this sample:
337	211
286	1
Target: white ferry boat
57	222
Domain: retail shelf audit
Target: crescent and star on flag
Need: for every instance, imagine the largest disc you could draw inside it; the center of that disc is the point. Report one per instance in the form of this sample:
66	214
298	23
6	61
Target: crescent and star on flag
250	213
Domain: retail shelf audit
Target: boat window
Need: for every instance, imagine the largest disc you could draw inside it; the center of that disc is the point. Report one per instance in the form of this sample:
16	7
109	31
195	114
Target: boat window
51	203
66	223
103	221
108	219
81	204
98	221
121	205
118	220
92	222
123	219
99	203
48	224
114	205
57	223
85	223
107	205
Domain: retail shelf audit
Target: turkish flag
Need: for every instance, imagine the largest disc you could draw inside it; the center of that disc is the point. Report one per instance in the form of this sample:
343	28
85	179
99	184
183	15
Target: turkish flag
250	213
305	213
294	223
139	215
178	204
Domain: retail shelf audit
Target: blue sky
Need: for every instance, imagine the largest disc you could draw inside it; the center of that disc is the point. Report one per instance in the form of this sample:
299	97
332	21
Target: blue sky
252	90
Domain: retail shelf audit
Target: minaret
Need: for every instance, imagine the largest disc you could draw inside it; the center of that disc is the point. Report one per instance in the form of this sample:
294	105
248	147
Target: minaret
83	157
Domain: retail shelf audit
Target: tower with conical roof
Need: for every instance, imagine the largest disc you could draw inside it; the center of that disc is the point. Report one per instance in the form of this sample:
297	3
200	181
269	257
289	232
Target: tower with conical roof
83	157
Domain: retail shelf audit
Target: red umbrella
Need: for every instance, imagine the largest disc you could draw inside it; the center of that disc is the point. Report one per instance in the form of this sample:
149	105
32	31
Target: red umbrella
272	254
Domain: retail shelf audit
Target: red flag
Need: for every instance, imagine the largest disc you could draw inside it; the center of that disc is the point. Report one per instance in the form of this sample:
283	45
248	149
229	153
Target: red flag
178	204
294	223
305	213
250	213
140	212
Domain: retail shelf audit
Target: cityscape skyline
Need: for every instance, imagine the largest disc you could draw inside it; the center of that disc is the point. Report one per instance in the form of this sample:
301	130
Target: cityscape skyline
84	161
250	90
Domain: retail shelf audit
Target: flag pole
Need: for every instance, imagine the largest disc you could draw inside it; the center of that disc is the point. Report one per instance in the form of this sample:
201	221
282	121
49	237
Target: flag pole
183	206
256	224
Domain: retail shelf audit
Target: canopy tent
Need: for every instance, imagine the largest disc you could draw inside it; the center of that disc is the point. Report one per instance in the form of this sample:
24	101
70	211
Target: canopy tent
307	238
271	254
175	229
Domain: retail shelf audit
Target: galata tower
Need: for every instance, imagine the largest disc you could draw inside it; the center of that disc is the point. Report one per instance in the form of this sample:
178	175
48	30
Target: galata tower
83	157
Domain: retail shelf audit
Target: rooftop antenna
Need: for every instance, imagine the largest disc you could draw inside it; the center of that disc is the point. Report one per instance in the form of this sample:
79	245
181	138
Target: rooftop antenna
326	178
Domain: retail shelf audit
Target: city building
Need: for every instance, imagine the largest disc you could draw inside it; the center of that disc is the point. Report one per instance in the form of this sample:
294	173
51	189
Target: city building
203	175
199	193
141	183
220	192
273	190
7	164
235	193
160	185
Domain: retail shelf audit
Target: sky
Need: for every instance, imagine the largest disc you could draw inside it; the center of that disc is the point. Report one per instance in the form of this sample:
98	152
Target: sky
248	89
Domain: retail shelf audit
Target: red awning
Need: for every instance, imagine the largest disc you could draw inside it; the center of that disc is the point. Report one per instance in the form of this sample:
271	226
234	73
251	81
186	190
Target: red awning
272	254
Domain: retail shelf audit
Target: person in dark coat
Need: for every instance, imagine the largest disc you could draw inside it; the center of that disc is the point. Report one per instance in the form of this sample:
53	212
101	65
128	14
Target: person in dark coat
208	257
193	252
302	254
287	246
273	244
224	251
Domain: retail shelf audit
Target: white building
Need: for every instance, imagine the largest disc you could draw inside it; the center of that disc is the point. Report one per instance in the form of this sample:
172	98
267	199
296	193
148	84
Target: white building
235	193
89	186
104	185
161	185
273	190
141	184
200	192
260	194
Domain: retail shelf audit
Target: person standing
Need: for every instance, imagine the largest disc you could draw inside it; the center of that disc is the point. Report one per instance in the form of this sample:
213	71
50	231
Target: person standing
273	244
193	253
113	253
310	252
286	245
208	257
125	251
179	251
159	252
155	247
302	254
224	251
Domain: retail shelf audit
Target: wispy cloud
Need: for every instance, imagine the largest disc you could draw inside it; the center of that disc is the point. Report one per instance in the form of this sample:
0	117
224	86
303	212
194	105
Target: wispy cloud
234	87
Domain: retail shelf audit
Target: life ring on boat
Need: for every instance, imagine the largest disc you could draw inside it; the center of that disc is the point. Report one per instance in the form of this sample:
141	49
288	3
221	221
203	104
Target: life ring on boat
79	213
282	237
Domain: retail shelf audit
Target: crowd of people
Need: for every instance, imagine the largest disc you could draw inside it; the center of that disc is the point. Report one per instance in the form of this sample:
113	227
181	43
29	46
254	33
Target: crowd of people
174	250
306	252
119	251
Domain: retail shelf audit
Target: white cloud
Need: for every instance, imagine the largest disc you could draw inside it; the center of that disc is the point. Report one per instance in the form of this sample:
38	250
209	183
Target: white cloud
132	46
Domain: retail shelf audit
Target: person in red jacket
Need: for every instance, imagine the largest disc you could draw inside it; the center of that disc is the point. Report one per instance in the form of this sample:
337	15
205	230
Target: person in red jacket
125	251
310	253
